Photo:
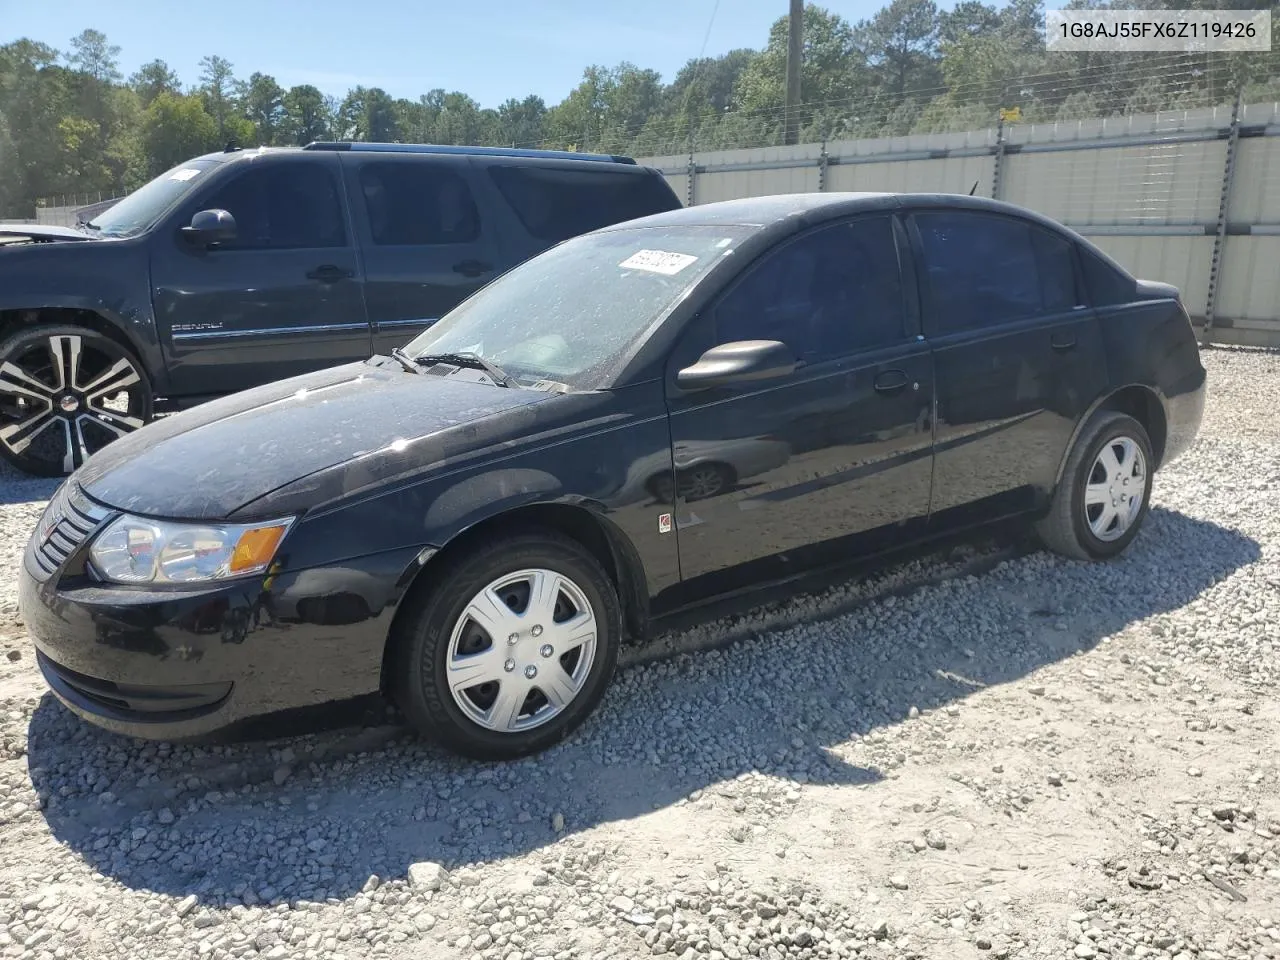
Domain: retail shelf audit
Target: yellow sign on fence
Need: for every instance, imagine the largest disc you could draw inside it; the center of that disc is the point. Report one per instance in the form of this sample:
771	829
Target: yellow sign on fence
1010	114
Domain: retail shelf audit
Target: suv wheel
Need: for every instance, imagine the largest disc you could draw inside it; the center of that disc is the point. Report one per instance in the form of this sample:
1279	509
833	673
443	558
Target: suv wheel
1105	490
510	648
65	393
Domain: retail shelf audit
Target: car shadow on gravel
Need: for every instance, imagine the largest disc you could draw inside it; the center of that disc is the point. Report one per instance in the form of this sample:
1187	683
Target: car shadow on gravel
784	704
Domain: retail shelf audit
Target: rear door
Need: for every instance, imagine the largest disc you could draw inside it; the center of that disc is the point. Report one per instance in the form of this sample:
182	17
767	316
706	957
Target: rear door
428	238
1019	357
280	299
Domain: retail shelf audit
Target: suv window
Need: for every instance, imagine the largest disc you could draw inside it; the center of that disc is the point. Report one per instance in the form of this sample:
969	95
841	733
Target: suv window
986	269
555	204
282	206
831	292
418	204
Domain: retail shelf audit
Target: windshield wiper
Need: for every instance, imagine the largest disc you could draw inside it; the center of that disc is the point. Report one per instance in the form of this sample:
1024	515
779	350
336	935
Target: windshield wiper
405	360
472	360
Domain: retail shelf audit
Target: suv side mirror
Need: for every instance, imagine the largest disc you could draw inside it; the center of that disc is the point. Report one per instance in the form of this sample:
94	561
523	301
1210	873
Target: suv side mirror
209	227
743	361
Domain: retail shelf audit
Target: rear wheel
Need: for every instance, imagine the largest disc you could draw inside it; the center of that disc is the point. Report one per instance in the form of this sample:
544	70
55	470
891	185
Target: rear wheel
1105	490
510	648
65	393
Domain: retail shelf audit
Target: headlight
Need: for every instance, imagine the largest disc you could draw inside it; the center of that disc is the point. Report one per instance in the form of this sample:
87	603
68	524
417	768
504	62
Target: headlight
134	550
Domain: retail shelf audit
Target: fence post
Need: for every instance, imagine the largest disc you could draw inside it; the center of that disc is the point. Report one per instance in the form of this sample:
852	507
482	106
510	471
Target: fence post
997	171
1224	204
824	161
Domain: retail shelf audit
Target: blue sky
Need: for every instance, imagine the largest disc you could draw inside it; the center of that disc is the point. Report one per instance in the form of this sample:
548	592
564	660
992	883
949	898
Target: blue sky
492	50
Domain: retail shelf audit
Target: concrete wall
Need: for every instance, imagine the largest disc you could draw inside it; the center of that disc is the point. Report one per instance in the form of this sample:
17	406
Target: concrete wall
1146	188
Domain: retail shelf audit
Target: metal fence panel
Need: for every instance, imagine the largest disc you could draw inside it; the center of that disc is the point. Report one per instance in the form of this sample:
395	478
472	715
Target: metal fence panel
1147	188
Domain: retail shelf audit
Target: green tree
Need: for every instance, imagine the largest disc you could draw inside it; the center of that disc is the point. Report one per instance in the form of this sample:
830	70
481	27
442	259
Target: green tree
217	93
368	114
307	117
176	128
521	123
91	54
262	100
153	79
900	44
834	72
34	98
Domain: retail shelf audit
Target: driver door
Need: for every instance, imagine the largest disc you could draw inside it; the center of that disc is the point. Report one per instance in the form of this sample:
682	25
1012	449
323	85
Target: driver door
282	298
837	453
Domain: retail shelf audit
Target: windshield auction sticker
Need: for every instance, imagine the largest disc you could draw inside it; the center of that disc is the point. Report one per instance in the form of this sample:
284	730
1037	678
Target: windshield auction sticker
1192	31
658	261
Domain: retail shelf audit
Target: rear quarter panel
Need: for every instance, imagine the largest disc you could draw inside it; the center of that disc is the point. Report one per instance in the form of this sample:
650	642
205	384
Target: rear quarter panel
1151	343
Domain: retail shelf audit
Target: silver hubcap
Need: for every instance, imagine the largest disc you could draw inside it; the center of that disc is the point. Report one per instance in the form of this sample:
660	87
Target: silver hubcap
521	651
54	398
703	482
1116	488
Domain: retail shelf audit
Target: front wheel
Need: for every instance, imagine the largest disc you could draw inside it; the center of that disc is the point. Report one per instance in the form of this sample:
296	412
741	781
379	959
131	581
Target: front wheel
1105	490
65	393
510	648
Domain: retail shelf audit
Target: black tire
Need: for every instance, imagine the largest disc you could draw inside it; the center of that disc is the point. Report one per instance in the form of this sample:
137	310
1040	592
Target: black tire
1066	529
423	634
55	384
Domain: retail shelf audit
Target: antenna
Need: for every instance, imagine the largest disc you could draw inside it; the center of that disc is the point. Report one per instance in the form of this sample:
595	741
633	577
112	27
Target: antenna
973	188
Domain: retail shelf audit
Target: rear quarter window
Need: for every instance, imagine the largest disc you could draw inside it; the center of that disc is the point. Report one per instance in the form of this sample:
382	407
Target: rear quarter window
555	204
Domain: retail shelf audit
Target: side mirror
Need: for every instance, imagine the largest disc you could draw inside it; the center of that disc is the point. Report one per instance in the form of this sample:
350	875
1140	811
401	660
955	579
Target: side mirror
209	227
744	361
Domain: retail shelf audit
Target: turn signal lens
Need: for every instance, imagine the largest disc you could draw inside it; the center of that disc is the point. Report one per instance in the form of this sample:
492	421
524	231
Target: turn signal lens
255	548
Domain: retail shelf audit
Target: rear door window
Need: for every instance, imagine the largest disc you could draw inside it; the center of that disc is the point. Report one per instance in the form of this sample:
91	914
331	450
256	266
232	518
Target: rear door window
418	204
986	269
555	204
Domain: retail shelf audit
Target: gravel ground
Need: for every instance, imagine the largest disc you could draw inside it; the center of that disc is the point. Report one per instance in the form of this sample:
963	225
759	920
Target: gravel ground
1047	759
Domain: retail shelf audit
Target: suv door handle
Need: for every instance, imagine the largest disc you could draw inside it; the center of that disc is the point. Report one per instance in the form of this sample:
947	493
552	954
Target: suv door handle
1062	342
891	381
472	268
329	273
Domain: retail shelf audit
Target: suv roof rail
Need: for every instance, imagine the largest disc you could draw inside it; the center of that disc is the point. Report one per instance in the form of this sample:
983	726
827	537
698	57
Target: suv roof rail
363	147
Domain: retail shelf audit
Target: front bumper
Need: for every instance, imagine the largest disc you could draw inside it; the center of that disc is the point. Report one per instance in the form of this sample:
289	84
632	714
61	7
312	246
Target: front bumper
177	664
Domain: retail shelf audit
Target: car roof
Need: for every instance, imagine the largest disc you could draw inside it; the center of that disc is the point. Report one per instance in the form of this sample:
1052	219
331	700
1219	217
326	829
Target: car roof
815	207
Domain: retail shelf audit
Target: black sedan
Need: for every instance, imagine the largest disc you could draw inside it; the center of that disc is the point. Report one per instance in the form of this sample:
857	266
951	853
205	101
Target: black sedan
634	422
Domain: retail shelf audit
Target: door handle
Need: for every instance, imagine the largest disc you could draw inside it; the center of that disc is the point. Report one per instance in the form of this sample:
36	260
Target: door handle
891	381
472	268
1062	342
329	273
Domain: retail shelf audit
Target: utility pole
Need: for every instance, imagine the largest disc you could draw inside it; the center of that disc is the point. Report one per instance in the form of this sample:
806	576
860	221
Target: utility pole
795	52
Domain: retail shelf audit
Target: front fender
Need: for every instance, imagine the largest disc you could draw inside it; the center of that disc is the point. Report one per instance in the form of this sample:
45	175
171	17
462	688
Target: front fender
109	278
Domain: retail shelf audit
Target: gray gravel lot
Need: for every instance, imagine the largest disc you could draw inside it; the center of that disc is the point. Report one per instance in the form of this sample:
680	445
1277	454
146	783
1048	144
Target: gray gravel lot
1046	759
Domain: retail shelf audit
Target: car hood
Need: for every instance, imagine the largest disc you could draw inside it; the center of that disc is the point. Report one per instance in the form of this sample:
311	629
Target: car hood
43	231
206	462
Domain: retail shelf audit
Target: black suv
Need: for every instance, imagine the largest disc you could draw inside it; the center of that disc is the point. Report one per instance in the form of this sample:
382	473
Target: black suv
243	267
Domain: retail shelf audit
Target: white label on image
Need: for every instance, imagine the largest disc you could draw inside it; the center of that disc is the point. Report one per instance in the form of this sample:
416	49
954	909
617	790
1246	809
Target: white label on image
186	173
658	261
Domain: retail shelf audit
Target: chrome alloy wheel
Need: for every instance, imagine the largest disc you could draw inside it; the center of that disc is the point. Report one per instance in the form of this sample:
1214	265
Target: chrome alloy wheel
1116	489
63	397
521	651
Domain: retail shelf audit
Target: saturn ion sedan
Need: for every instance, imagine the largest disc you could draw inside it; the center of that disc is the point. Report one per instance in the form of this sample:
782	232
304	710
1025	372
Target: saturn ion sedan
633	423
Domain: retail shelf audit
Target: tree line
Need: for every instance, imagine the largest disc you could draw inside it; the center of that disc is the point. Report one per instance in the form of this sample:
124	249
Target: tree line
70	122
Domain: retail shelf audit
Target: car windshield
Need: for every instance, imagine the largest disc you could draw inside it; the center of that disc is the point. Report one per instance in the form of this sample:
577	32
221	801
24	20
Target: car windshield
569	313
140	209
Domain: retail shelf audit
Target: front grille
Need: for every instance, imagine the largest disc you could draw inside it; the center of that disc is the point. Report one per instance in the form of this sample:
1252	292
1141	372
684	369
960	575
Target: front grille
68	521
